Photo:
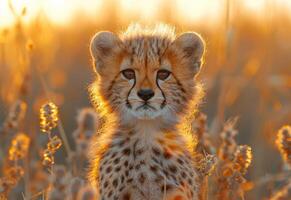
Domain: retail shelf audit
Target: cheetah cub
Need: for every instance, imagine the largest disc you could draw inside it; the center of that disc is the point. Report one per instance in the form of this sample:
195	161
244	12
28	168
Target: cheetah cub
144	91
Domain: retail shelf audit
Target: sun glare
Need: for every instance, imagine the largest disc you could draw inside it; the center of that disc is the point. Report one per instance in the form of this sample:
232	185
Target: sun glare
196	9
58	11
147	9
62	11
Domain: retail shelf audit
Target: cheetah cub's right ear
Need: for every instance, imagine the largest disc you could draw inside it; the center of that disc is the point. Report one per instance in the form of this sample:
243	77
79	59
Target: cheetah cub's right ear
104	47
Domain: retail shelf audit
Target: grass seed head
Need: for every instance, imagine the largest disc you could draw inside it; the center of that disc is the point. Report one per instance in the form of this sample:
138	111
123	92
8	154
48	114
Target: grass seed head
207	165
48	158
284	143
54	144
48	117
15	173
228	145
19	147
16	114
243	158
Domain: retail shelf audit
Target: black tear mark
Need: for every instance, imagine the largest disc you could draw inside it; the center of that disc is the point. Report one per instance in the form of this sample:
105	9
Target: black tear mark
127	101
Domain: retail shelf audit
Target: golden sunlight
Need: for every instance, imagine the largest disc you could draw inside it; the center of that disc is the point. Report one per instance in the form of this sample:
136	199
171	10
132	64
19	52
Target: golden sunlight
58	11
62	11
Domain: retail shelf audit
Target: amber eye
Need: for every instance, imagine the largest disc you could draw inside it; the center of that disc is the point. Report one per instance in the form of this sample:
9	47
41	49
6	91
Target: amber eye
163	74
128	74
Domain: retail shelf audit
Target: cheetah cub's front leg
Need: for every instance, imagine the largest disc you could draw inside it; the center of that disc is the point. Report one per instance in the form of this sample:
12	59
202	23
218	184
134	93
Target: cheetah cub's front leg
145	87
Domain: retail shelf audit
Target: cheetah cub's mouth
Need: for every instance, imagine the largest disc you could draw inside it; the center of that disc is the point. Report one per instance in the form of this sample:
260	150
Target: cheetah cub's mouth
146	75
145	106
145	111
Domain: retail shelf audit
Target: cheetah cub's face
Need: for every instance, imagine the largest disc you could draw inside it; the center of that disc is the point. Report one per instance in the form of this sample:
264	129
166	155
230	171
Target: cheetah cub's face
146	76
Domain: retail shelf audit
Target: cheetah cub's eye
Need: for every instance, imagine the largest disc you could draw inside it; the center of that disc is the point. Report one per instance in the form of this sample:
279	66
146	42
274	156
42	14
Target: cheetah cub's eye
128	74
163	74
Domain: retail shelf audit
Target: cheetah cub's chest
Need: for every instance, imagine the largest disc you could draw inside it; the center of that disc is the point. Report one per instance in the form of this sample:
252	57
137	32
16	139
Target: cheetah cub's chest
142	166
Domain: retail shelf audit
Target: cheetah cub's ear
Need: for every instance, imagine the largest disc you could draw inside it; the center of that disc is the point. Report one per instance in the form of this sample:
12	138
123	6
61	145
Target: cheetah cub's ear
191	46
104	47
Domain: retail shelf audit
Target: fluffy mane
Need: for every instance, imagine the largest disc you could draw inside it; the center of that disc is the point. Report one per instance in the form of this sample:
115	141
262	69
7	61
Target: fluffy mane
159	31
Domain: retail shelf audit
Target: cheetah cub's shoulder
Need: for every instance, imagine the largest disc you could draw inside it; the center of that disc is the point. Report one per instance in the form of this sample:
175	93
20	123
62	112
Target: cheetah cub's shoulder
145	87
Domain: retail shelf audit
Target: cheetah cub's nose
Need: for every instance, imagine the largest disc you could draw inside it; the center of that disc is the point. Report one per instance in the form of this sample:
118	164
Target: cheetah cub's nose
145	94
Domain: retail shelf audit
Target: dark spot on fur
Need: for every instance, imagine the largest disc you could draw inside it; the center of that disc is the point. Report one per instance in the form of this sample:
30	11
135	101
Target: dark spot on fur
126	196
183	174
177	101
190	181
142	162
116	160
166	172
159	179
110	194
115	182
129	180
105	184
137	167
117	169
126	151
180	161
167	154
192	193
113	155
130	133
155	160
121	143
121	188
156	151
153	168
166	187
139	152
141	178
173	168
108	170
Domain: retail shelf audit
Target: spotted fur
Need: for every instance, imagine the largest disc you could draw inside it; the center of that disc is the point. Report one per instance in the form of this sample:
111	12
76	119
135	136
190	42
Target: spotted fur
143	150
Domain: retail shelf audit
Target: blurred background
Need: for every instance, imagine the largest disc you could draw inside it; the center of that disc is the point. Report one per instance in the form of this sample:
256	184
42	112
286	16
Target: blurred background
247	72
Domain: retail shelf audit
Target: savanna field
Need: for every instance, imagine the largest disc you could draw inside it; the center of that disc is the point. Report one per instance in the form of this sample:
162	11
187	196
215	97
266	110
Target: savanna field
241	127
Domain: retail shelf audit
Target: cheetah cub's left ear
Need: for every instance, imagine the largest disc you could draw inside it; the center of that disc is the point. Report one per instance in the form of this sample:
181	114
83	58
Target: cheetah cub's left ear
103	47
192	47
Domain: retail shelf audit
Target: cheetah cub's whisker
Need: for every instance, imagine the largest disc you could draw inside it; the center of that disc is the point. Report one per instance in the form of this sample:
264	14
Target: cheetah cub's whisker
144	90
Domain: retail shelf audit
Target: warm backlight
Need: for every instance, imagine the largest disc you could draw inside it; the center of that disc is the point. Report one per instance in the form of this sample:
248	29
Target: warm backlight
62	11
